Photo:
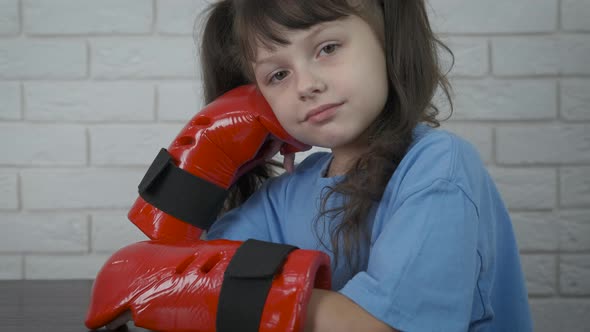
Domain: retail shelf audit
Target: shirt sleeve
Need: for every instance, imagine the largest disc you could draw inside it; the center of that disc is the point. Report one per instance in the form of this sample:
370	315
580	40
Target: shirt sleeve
424	264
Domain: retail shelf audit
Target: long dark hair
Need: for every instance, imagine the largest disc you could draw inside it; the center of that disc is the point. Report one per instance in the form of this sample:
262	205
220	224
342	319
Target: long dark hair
235	28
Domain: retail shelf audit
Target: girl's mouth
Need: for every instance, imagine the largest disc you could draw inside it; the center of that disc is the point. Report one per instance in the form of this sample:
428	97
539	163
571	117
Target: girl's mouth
322	113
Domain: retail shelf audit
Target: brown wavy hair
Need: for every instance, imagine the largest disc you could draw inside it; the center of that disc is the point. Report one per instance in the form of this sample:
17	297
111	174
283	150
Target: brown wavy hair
235	28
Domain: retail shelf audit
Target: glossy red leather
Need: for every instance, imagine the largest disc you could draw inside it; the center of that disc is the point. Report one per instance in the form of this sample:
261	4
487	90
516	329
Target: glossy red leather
225	140
175	287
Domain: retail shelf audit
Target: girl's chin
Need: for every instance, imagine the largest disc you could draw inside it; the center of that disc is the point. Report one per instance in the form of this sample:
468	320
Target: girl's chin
334	145
330	140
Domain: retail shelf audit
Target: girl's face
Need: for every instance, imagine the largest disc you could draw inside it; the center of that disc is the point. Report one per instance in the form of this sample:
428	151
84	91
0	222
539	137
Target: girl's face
328	84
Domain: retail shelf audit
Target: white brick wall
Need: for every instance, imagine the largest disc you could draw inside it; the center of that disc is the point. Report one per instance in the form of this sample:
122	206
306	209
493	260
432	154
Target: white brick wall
575	96
90	90
10	108
87	17
505	99
89	101
9	18
541	55
51	59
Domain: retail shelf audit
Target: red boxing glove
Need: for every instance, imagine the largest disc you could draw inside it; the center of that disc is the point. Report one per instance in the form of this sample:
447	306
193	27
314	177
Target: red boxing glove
177	287
186	185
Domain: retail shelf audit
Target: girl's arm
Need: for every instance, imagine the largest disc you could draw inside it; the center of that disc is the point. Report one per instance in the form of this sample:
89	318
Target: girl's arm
331	311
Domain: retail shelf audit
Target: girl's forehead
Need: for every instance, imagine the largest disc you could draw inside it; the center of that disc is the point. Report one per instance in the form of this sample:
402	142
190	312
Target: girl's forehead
266	23
264	48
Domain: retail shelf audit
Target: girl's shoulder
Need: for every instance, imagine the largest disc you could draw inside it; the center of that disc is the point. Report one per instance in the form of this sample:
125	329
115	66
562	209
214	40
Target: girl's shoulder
441	153
437	154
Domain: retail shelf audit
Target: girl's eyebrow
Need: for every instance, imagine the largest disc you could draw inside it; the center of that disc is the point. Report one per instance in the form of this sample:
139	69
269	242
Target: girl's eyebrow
314	32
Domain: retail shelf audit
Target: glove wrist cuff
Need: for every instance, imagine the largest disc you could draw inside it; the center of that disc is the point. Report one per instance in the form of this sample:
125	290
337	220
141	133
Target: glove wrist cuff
268	282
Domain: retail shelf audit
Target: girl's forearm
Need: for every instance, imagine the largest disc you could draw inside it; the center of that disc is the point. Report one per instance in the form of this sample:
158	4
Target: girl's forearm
331	311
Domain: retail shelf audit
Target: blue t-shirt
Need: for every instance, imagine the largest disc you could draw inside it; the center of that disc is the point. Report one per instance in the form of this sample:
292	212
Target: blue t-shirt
442	255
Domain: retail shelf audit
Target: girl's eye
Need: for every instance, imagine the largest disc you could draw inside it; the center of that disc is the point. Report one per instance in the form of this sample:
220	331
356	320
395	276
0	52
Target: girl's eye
281	75
278	76
330	48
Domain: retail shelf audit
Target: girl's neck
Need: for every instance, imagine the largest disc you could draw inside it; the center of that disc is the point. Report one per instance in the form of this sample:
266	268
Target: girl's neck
343	159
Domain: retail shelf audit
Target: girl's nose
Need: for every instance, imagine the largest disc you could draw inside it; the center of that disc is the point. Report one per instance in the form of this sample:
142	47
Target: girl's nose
309	85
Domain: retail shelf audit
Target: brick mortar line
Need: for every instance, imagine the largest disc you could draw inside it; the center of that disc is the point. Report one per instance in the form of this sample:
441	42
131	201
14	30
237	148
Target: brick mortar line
560	114
185	80
21	18
89	223
23	101
155	17
558	270
541	165
558	190
540	252
19	192
91	79
88	51
545	210
585	296
505	123
78	211
516	122
156	109
88	144
98	36
79	167
57	254
513	34
490	71
491	78
76	36
558	13
494	156
76	123
560	297
557	201
497	77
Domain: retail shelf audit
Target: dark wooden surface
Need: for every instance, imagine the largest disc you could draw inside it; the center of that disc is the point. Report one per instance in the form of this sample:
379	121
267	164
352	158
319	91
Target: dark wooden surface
52	306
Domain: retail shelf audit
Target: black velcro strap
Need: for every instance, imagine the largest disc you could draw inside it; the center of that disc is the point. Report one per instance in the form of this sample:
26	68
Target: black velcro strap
181	194
246	283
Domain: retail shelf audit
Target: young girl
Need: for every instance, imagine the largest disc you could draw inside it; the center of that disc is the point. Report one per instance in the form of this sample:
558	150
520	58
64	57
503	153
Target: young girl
419	237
